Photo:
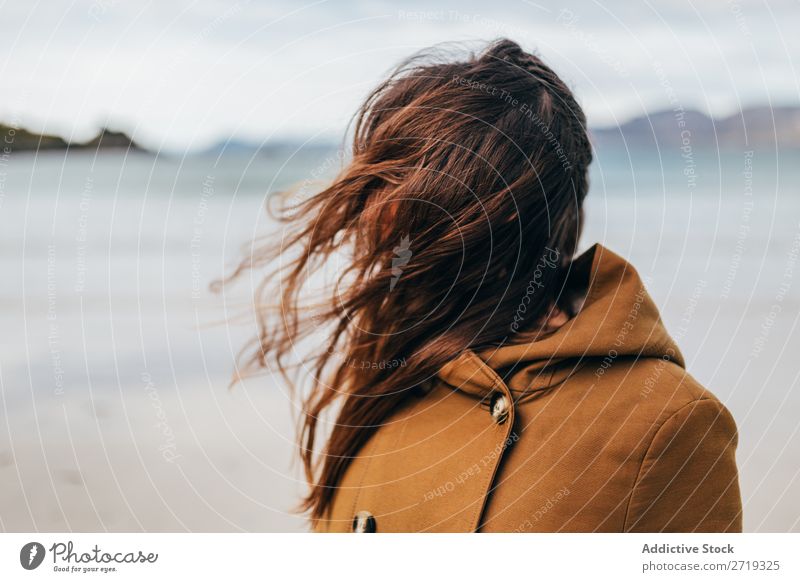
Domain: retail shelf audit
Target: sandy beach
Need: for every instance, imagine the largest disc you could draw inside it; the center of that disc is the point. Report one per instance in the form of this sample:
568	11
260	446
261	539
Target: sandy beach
114	372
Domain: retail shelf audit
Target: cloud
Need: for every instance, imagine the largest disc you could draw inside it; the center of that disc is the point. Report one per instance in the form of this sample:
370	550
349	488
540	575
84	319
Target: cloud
185	73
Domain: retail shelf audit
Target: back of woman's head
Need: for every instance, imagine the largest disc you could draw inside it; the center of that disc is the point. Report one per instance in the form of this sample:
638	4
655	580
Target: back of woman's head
460	212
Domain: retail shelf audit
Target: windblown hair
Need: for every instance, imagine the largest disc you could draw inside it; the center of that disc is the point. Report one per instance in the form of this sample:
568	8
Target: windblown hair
464	174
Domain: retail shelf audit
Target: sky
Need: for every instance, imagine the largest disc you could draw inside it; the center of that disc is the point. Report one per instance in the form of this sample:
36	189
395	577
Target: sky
185	74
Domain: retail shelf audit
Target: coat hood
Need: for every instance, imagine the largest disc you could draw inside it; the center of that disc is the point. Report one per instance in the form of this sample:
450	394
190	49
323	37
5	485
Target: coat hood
618	320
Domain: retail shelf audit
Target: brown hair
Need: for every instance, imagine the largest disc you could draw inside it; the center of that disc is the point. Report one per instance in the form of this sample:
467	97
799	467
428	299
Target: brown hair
464	174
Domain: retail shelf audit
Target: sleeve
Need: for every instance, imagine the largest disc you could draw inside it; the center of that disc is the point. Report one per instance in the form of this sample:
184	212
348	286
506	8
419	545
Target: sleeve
688	481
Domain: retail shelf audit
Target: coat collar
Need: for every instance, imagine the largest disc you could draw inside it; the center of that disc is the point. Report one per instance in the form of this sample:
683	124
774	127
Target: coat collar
618	318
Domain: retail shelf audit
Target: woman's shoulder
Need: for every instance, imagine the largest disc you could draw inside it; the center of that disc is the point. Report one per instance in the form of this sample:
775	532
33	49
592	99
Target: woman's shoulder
642	396
680	392
659	383
688	461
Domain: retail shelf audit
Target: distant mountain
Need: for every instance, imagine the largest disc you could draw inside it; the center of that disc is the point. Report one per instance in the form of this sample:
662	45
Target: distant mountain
754	127
108	139
13	139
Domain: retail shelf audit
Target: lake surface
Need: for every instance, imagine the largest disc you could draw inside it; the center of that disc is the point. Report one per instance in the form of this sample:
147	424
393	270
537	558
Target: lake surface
116	358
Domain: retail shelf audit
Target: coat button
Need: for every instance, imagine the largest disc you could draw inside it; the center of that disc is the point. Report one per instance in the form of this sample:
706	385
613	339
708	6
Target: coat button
364	522
498	407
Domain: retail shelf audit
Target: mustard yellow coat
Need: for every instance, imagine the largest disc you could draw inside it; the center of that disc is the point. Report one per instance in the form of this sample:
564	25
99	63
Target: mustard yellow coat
594	427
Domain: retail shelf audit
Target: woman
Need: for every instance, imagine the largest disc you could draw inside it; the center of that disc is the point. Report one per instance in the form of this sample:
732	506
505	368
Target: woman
475	374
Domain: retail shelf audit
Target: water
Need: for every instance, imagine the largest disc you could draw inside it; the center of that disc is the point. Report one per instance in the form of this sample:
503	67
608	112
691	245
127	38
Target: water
116	360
